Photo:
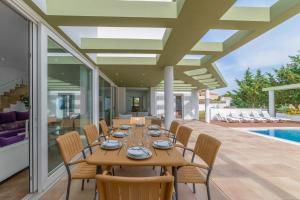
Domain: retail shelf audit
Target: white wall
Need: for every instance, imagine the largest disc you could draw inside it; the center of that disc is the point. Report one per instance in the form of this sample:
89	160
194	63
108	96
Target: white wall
190	104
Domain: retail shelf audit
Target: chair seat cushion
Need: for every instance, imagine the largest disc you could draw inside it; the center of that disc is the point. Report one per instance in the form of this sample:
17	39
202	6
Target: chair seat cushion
84	171
190	174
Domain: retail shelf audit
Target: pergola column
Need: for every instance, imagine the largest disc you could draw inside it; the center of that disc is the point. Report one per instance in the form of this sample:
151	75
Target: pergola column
207	111
272	103
169	96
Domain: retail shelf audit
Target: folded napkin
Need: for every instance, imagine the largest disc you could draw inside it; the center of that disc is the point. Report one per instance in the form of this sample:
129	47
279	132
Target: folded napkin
155	132
154	127
138	151
162	143
119	133
111	143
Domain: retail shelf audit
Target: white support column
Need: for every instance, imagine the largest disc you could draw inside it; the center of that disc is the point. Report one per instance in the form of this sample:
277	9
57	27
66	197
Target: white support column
169	96
272	103
207	110
152	101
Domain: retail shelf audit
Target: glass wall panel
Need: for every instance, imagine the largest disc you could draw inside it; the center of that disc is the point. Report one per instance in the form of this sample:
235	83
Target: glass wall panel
69	98
105	100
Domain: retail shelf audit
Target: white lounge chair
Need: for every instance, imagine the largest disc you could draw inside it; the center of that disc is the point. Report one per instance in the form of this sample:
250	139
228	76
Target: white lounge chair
223	117
258	116
236	116
247	116
280	119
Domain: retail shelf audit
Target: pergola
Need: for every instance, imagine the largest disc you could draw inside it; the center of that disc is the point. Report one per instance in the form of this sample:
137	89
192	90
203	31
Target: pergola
159	61
272	90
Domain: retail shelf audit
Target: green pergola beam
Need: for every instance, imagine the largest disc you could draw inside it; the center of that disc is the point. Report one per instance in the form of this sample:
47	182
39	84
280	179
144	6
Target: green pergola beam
282	87
63	60
126	61
112	8
107	44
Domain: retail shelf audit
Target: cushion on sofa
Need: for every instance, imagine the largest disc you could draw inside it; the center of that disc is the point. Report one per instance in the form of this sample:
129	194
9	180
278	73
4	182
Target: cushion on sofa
21	116
12	132
8	117
4	141
13	125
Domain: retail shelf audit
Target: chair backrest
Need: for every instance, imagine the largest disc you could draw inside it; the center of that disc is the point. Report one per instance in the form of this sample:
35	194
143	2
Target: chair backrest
104	127
69	145
134	188
91	133
245	114
207	148
137	120
124	116
183	135
156	121
67	123
266	114
174	126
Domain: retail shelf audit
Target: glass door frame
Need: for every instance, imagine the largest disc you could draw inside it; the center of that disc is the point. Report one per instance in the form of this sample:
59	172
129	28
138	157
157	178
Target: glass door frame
44	179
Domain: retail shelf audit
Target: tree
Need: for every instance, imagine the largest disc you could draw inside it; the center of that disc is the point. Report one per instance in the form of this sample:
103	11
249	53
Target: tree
250	94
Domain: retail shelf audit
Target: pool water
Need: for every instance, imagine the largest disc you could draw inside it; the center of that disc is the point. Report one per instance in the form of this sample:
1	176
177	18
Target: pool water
287	134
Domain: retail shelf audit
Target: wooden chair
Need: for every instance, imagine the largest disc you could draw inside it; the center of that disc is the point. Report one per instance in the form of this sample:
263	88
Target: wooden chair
156	121
173	129
70	145
182	136
92	135
206	148
105	129
66	125
135	188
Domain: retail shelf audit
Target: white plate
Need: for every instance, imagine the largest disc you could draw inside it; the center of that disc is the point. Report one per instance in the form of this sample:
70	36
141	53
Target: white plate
154	127
111	144
119	134
154	133
125	127
139	153
162	144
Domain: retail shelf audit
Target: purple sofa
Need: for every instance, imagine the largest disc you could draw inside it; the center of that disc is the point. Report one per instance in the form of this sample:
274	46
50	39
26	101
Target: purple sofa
12	127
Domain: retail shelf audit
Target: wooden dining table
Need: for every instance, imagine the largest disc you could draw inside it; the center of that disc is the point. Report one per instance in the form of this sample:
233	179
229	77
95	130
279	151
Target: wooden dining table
165	158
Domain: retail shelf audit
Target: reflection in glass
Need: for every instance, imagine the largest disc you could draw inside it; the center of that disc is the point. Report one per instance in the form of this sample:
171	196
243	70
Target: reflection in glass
105	100
69	98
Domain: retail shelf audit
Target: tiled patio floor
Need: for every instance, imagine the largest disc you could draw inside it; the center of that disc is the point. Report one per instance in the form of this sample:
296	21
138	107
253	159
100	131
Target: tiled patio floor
249	167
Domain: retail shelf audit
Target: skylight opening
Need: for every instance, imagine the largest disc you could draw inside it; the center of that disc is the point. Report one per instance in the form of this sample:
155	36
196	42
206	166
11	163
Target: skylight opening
127	55
130	33
193	57
255	3
218	35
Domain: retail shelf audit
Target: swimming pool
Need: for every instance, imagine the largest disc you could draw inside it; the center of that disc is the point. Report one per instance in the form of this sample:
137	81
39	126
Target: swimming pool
287	134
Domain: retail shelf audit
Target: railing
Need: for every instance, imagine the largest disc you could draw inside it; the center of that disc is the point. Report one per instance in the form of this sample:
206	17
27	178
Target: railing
7	86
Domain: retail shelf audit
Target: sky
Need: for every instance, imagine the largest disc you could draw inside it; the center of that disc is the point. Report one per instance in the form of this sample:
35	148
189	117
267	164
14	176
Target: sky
267	52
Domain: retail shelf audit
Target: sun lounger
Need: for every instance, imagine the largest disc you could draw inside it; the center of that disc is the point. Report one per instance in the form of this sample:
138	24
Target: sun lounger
223	117
242	119
258	116
280	119
255	119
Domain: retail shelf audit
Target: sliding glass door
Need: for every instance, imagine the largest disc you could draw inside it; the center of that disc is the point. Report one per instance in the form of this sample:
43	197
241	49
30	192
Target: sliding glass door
70	98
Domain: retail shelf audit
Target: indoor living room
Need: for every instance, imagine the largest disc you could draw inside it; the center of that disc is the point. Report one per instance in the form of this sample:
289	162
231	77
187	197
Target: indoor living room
14	104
